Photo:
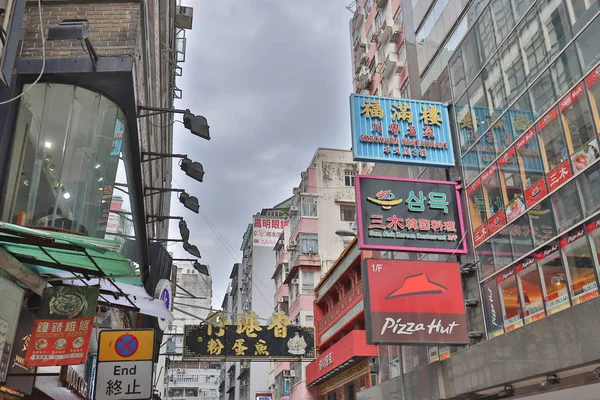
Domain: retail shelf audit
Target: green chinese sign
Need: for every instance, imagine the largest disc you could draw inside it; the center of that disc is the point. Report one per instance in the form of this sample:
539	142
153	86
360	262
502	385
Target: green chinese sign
409	215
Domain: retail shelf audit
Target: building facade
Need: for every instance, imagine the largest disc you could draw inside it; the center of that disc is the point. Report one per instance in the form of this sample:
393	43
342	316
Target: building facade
522	77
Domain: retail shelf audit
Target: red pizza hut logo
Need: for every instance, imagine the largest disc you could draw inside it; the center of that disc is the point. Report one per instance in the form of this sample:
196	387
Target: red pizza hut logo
508	274
575	236
527	263
550	250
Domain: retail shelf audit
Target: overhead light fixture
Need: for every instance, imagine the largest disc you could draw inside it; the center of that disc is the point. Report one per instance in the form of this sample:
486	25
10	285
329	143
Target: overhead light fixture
97	166
47	158
197	124
189	202
201	268
345	233
74	29
471	303
67	195
550	381
193	169
476	335
468	269
192	249
100	179
508	391
51	168
48	144
26	182
184	231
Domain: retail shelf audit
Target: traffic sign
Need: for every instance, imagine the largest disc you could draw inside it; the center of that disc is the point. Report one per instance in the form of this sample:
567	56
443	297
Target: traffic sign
124	380
134	345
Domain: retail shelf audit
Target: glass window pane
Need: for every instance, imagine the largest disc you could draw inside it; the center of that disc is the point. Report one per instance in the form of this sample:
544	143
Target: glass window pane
510	299
520	237
503	254
512	185
486	37
513	67
520	7
580	12
494	84
503	17
533	44
477	206
592	82
492	309
492	191
542	94
486	259
567	207
541	217
555	24
589	45
552	140
479	107
501	134
471	55
530	162
470	163
556	294
520	115
566	70
581	266
533	297
589	182
457	74
464	119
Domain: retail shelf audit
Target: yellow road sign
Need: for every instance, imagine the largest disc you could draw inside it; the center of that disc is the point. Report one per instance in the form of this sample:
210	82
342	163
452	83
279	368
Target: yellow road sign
134	345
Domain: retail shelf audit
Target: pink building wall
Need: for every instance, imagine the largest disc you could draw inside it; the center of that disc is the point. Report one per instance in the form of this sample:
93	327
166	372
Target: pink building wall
306	225
312	180
303	302
280	366
301	392
282	291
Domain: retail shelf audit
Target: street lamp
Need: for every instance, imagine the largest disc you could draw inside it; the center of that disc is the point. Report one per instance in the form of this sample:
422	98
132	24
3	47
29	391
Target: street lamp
345	232
197	124
184	231
192	249
201	268
74	29
189	202
193	169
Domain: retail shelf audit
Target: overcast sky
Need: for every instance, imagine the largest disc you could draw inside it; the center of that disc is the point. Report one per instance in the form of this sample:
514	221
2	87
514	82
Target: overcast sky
273	78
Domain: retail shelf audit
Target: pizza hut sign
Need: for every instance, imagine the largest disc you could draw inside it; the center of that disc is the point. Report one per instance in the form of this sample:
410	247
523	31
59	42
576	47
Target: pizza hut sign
408	302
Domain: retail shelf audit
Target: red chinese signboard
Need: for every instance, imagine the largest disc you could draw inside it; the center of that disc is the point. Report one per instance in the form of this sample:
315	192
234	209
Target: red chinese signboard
497	222
593	77
63	326
535	192
412	302
559	175
480	234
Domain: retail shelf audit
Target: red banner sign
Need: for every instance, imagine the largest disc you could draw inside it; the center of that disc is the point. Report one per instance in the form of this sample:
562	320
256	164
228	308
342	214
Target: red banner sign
497	222
63	327
535	192
412	302
559	175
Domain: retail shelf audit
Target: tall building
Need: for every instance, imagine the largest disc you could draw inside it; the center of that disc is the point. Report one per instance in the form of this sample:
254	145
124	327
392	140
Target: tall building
187	380
322	209
522	77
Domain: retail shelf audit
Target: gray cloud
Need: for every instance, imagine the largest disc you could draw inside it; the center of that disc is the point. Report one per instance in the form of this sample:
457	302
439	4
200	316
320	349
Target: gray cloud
273	79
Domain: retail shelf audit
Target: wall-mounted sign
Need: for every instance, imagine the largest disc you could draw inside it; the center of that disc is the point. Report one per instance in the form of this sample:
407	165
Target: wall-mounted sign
63	327
74	381
164	293
266	231
400	131
21	377
399	214
248	340
263	396
413	302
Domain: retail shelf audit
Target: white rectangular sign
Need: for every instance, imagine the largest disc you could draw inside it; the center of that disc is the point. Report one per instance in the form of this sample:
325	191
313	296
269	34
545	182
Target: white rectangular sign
266	231
124	380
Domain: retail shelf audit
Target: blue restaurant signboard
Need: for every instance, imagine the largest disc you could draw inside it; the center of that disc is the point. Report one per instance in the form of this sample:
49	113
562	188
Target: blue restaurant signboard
400	131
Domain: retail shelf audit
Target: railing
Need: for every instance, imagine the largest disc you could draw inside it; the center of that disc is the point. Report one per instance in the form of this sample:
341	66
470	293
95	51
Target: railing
341	306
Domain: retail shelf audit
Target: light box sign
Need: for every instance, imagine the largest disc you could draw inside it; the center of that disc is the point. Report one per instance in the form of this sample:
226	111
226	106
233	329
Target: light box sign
413	302
400	131
397	214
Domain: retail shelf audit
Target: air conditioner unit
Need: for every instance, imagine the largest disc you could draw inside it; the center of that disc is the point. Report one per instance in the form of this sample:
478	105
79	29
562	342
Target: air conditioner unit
295	281
289	374
281	300
293	209
303	174
296	190
184	17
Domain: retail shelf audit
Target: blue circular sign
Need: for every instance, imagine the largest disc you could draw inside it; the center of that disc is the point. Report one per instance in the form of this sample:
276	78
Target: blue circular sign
126	345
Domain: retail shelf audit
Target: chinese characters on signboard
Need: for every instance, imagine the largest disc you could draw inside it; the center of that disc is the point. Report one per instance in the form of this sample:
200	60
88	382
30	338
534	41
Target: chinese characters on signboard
249	340
400	131
413	302
266	231
409	215
21	377
63	327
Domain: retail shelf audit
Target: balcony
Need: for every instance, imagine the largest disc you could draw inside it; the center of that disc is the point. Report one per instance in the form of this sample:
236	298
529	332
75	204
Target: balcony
389	66
359	17
387	28
346	303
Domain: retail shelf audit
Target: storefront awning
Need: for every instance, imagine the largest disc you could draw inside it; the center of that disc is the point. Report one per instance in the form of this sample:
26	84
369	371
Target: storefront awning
47	252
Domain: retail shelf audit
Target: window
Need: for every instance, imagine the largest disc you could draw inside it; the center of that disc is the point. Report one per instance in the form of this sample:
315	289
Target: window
309	243
503	16
492	191
471	55
589	182
532	291
486	36
555	25
520	236
464	119
309	320
496	97
567	207
579	129
486	259
566	70
378	21
512	187
554	278
532	167
457	74
346	242
510	299
552	140
513	67
67	150
533	45
477	205
580	264
589	45
470	164
542	94
309	206
543	226
479	107
347	212
502	248
350	178
308	282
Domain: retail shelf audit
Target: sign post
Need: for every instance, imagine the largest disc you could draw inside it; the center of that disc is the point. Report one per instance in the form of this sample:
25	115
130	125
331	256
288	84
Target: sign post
125	365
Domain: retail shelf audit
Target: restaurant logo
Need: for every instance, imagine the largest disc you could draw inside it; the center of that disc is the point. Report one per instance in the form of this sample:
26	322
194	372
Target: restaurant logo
385	198
326	361
412	302
528	262
409	215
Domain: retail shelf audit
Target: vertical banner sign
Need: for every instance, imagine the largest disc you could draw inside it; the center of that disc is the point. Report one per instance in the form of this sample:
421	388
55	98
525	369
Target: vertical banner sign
21	377
413	302
266	231
400	131
63	327
398	214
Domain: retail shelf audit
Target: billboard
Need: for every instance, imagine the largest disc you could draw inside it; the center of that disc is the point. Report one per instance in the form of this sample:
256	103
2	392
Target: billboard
398	214
400	131
413	302
266	231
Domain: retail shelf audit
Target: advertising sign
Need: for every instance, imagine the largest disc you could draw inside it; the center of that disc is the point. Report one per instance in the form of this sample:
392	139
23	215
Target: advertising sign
134	345
266	231
164	293
63	327
249	341
413	302
263	396
401	131
21	377
398	214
